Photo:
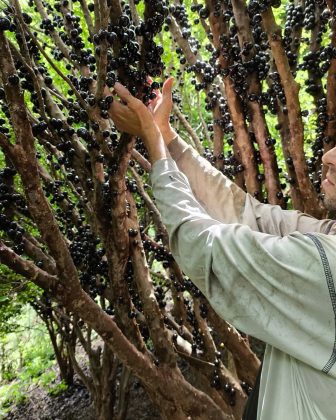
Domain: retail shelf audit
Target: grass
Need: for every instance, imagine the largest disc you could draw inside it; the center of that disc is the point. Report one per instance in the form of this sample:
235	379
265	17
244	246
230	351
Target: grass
28	361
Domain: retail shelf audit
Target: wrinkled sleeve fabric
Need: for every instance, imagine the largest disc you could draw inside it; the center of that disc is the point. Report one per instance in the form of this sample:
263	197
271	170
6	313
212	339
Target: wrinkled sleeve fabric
225	201
264	285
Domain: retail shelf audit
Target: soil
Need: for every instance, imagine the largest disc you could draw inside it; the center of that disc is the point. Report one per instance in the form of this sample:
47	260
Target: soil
72	404
75	404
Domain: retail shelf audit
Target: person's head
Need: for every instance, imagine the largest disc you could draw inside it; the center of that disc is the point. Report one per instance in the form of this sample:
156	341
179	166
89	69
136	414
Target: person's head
329	184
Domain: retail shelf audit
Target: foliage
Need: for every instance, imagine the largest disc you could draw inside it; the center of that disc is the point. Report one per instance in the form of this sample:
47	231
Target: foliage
15	293
27	361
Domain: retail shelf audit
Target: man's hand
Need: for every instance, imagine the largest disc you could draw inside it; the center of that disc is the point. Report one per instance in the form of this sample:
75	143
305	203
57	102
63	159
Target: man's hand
133	117
161	108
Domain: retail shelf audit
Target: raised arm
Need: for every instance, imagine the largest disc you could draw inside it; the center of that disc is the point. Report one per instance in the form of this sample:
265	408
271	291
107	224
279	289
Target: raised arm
222	199
226	202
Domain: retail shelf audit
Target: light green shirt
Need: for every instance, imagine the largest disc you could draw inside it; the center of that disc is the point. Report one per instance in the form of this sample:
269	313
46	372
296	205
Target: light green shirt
260	272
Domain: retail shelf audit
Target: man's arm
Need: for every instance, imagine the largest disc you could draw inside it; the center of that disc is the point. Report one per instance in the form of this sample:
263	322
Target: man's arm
271	287
226	202
222	199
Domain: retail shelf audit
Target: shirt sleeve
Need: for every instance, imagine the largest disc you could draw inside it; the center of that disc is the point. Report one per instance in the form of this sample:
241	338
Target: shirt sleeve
265	285
224	201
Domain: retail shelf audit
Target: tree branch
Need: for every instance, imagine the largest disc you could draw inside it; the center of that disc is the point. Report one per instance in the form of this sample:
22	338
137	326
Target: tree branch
291	89
26	268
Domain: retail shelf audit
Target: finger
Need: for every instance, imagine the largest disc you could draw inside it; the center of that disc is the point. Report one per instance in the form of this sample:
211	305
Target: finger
125	94
167	89
158	93
154	102
119	112
152	105
120	115
118	108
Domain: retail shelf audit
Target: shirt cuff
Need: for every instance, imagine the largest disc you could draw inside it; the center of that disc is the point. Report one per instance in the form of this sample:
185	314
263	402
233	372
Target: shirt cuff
162	166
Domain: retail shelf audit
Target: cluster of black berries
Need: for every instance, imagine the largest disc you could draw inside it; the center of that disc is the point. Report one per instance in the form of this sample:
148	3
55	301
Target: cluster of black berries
10	199
160	296
309	15
258	54
198	342
275	93
161	253
133	292
229	388
294	23
90	261
14	233
318	145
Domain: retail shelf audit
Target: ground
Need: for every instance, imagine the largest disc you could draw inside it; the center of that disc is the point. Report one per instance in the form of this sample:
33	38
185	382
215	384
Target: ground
75	404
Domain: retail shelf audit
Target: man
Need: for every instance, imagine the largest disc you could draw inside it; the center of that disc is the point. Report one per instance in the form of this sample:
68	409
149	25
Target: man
267	271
